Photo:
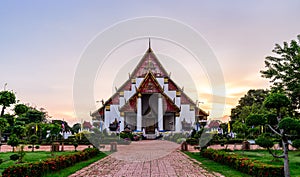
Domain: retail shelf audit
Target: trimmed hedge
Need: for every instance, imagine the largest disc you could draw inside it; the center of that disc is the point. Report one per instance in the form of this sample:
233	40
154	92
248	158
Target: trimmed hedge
245	165
49	165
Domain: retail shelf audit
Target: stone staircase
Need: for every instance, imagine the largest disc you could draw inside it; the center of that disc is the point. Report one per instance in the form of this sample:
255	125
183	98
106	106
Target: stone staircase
150	136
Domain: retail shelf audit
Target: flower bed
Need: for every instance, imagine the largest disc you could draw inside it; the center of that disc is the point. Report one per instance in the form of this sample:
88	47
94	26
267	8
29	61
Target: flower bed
245	165
49	165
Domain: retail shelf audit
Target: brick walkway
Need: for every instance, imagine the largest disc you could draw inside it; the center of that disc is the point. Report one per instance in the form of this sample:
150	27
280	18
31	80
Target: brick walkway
146	158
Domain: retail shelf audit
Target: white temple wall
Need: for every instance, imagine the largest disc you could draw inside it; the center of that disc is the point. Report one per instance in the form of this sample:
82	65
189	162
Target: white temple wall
129	93
161	81
114	113
138	81
187	114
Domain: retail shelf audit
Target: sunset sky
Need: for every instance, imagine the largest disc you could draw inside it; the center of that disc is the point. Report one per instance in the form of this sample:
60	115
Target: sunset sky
41	44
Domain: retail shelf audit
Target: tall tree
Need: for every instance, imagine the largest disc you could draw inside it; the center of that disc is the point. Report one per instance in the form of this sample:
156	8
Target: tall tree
3	125
34	115
6	99
249	103
283	70
278	101
20	109
76	128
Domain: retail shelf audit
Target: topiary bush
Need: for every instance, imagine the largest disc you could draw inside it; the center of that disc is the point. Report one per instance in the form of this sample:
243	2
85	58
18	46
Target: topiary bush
296	144
192	141
14	157
287	124
264	141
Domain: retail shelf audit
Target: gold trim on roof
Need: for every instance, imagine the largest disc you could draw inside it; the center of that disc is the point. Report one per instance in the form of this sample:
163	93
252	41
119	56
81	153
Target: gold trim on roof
166	80
192	108
133	81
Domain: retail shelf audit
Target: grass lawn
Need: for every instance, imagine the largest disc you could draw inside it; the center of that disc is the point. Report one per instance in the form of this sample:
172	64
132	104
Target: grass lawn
70	170
217	167
29	157
265	157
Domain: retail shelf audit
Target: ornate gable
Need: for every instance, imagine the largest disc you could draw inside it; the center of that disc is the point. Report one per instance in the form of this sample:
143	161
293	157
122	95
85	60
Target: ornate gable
150	85
148	63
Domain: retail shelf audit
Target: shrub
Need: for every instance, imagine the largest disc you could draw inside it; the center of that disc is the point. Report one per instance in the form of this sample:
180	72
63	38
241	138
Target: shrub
192	141
287	124
14	157
124	135
264	141
49	165
245	165
296	144
13	141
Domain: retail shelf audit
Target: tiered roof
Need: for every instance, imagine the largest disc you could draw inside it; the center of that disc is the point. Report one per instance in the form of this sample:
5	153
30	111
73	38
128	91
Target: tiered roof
150	68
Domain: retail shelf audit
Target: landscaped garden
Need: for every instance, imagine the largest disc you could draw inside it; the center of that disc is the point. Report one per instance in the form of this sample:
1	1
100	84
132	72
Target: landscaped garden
244	163
45	164
28	157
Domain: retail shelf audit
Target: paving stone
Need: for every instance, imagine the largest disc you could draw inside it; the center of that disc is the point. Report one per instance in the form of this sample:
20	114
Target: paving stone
154	158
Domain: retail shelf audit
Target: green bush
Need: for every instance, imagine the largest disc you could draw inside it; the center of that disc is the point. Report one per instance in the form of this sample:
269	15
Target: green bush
128	135
192	141
14	157
287	124
264	141
49	165
296	144
245	165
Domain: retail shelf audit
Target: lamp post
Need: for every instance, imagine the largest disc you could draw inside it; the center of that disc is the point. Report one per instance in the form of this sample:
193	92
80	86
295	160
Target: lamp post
63	136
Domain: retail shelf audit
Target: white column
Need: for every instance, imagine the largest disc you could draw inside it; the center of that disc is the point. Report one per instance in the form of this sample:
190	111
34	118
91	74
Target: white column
160	114
177	124
121	124
178	98
122	101
139	113
106	120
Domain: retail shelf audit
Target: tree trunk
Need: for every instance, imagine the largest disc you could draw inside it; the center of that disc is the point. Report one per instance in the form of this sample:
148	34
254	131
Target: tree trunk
0	140
286	157
2	111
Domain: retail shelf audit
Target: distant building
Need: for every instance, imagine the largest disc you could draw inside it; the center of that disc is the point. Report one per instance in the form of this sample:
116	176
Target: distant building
87	126
214	126
149	102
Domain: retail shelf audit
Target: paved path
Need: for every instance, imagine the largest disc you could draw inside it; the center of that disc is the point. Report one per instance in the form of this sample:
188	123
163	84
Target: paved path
147	159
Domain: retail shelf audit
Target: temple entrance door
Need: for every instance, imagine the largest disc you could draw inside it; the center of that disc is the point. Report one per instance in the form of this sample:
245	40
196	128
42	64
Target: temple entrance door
150	125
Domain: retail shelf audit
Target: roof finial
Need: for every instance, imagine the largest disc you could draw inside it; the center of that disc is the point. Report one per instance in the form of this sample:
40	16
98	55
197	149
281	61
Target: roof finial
149	43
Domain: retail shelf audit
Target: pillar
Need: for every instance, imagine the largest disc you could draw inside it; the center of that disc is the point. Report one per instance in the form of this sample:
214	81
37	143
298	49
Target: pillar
160	114
139	113
122	125
122	99
106	120
178	98
177	123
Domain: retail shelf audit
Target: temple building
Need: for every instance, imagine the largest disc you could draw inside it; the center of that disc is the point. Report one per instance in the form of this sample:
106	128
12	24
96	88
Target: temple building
149	102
